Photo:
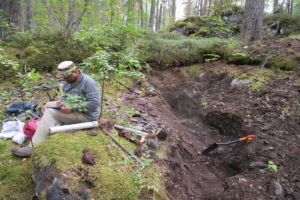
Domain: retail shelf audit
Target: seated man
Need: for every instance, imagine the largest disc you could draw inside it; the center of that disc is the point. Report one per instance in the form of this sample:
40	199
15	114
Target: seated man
77	84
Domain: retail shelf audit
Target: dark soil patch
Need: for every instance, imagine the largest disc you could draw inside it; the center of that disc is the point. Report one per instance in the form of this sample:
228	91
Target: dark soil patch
209	110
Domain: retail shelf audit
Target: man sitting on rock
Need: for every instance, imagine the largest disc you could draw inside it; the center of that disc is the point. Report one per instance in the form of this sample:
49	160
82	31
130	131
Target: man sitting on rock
76	84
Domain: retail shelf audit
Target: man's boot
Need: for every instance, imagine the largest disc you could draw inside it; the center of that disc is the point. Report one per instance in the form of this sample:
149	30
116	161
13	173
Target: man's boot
23	152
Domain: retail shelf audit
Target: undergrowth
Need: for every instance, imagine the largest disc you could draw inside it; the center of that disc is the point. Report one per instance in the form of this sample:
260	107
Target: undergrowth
116	175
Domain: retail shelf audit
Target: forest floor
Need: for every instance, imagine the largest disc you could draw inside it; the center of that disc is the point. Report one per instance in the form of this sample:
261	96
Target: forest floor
207	109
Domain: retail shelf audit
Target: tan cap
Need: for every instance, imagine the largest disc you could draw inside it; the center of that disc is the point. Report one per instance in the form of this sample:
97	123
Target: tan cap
65	69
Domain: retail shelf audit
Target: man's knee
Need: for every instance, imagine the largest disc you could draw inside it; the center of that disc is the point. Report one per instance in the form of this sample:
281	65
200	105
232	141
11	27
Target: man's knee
48	104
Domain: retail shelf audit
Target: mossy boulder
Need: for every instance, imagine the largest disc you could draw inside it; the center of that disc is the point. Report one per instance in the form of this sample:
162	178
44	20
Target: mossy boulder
196	20
243	58
185	28
202	32
226	21
44	53
282	63
228	10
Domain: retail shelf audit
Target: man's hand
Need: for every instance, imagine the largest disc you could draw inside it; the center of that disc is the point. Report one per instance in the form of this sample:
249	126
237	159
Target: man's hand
66	109
59	103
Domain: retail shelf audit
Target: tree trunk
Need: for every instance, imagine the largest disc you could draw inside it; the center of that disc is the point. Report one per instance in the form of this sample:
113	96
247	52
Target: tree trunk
173	11
209	6
12	14
152	14
157	15
71	15
289	6
30	23
275	6
188	8
141	13
201	8
164	14
253	20
204	8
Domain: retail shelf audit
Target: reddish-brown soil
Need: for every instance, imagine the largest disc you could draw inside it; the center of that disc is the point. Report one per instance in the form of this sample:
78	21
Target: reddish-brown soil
205	109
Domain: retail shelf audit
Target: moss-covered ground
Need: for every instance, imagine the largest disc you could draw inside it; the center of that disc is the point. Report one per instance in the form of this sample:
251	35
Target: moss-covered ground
115	176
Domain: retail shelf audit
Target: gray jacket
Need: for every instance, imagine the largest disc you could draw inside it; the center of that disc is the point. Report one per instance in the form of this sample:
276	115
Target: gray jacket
88	88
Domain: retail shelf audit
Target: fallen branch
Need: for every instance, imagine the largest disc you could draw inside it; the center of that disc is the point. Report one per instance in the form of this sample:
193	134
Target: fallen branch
266	61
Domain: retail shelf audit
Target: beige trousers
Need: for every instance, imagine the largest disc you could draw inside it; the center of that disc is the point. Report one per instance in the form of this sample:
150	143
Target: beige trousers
52	117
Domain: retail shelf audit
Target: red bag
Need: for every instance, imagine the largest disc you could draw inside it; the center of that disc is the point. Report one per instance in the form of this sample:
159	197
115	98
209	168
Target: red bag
30	128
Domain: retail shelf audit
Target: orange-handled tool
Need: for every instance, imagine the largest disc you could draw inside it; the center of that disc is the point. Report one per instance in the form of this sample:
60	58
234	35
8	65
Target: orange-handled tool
215	145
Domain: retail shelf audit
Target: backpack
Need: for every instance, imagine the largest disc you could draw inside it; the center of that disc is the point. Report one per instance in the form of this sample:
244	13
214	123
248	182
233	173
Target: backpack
30	128
17	109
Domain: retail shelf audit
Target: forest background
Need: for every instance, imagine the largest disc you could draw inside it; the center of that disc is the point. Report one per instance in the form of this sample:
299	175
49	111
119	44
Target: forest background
118	39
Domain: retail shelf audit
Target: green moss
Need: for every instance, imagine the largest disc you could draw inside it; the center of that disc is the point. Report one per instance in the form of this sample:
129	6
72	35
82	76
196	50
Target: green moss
290	23
15	176
291	37
243	76
192	18
263	72
242	58
194	70
116	175
203	31
282	63
227	9
236	28
180	24
196	20
111	178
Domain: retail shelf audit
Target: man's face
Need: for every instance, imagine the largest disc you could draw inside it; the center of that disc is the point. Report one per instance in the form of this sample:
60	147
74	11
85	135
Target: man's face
72	78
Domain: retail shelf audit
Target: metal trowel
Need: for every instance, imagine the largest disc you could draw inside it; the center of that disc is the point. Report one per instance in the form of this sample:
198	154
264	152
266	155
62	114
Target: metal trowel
215	145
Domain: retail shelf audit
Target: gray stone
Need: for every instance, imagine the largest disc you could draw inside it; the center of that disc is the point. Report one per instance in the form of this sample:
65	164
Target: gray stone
273	29
276	189
238	83
296	195
260	164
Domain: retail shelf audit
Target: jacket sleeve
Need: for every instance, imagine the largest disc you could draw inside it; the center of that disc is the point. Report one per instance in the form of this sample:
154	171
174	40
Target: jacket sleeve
92	95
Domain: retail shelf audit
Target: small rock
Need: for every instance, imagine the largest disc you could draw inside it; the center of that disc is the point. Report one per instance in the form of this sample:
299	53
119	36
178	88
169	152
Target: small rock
132	119
88	158
272	155
254	165
265	128
282	117
221	150
138	152
288	190
150	94
237	83
242	180
296	195
276	189
91	133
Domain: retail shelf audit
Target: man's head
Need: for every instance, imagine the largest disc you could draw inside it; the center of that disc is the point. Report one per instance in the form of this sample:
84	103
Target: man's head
68	71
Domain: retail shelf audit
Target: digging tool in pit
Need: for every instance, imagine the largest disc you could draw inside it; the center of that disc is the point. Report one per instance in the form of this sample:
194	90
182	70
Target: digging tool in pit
215	145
